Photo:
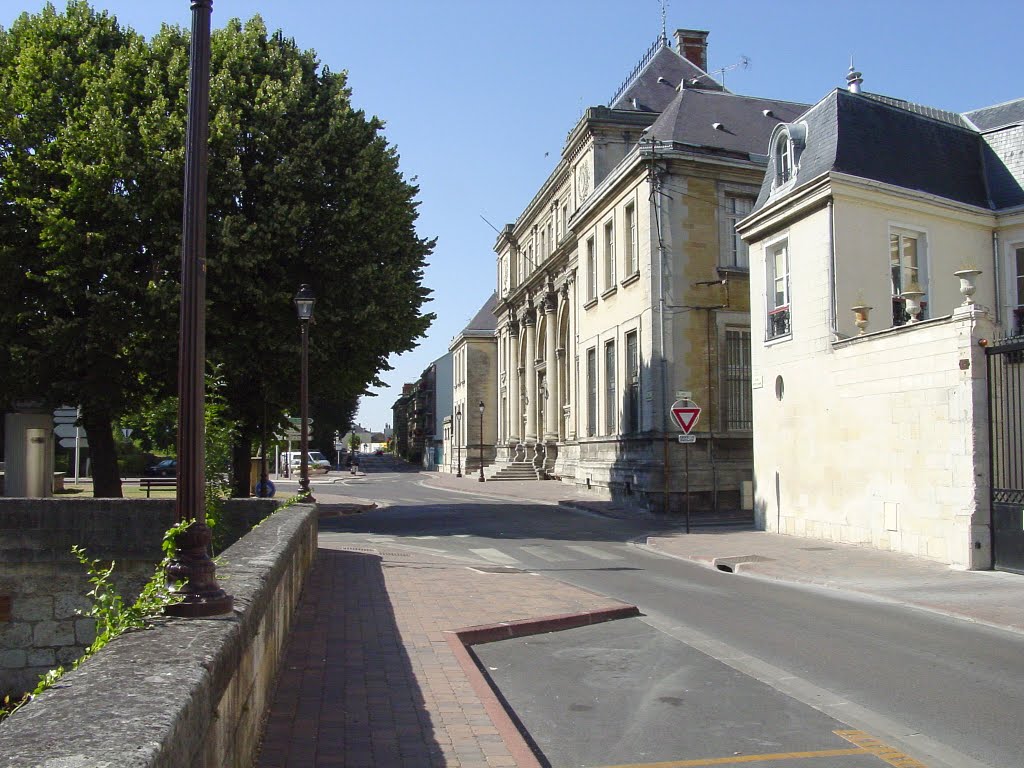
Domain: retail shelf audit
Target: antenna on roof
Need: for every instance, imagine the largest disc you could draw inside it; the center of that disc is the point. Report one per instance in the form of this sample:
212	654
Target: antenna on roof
743	63
489	224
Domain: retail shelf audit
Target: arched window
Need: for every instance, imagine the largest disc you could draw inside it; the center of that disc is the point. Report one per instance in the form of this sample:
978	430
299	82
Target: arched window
783	160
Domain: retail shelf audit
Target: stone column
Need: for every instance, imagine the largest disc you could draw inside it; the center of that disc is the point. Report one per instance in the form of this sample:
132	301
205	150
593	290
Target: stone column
515	403
530	373
551	404
571	357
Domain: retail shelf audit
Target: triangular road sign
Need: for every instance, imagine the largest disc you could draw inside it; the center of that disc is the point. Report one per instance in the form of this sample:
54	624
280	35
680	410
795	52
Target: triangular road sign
686	416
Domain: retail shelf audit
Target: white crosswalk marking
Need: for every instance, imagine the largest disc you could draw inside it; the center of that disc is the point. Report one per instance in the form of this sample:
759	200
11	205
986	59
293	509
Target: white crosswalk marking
495	556
546	553
423	537
583	549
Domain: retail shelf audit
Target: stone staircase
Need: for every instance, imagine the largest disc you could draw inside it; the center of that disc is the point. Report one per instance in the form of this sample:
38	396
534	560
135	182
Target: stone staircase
514	470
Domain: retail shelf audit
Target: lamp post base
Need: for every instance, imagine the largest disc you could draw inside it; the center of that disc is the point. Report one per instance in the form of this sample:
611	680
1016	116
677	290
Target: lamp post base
193	569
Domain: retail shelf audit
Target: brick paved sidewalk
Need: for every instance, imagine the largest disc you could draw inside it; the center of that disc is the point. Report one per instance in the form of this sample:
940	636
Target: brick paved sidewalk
370	678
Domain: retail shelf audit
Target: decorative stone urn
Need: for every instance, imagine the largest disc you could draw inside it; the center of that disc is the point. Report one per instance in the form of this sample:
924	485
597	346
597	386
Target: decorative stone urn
913	299
860	317
967	287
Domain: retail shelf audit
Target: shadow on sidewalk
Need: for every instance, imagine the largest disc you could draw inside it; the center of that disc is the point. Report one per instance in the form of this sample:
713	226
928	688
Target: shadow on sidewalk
347	693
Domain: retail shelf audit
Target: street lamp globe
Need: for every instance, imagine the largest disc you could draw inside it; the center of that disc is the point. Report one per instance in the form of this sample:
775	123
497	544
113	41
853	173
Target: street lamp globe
304	301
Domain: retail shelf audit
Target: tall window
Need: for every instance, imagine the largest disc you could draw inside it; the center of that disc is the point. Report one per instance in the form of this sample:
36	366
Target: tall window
611	404
565	218
778	290
591	392
906	267
738	410
632	384
783	160
1018	313
591	271
632	255
609	255
551	235
736	207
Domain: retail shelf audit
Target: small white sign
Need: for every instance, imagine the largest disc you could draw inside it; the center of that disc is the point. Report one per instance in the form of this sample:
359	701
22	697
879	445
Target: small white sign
684	394
757	382
687	438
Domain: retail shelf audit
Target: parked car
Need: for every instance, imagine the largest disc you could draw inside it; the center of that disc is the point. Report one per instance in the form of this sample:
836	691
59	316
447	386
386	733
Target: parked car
379	452
164	468
316	462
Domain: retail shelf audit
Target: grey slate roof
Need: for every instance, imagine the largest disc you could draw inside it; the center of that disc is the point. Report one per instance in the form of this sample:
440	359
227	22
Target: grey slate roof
997	116
904	145
484	319
651	94
744	127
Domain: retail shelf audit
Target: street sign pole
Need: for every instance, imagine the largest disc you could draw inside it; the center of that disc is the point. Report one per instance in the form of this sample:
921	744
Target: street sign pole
686	413
686	488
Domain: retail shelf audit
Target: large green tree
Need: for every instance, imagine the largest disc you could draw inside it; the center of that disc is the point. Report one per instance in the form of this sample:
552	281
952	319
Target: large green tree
302	188
81	236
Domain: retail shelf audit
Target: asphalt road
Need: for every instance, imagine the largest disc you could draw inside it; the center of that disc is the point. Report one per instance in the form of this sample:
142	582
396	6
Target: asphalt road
749	662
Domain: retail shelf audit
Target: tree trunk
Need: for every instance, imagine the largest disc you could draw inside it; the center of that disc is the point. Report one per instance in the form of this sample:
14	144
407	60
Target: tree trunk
241	453
106	480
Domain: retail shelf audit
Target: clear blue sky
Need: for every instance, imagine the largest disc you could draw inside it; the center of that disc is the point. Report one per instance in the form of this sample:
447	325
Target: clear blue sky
479	95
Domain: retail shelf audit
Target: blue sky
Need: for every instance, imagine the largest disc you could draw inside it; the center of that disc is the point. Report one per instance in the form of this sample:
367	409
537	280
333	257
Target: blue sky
478	96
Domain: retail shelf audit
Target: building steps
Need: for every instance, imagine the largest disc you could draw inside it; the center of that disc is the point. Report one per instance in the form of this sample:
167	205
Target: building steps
515	470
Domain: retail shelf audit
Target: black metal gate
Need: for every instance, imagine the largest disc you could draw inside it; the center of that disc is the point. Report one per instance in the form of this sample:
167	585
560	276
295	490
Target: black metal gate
1005	361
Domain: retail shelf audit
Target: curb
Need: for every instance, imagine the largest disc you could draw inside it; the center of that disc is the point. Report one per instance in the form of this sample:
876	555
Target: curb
459	641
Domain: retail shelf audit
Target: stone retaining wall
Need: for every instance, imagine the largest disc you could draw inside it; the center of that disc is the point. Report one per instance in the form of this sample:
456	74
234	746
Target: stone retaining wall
43	586
189	692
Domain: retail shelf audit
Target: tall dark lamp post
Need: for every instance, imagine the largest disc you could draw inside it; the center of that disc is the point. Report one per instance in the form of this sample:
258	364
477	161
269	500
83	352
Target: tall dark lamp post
481	478
191	567
304	301
458	440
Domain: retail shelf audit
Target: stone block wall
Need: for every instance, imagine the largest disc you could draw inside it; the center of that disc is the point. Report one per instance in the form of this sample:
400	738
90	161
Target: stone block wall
44	587
188	692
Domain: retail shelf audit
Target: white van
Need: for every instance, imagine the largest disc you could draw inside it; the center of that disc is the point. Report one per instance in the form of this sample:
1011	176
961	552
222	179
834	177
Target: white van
316	461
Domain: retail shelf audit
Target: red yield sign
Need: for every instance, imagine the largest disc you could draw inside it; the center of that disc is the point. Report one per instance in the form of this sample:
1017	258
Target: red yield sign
686	413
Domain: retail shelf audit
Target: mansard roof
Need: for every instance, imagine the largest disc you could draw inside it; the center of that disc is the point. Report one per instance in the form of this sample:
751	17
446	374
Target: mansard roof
653	86
722	121
906	145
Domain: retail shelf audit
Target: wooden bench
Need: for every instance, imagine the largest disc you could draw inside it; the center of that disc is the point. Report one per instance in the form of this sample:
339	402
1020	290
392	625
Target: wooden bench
149	483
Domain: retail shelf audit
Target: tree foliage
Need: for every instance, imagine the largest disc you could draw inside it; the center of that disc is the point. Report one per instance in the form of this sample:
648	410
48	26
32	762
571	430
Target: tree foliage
303	187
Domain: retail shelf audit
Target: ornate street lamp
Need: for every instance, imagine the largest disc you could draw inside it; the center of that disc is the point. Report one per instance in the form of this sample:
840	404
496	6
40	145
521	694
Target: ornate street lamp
191	566
304	301
481	478
458	440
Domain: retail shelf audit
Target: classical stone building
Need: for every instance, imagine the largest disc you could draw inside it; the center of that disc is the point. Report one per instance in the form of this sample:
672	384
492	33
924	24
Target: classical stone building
474	373
887	281
622	287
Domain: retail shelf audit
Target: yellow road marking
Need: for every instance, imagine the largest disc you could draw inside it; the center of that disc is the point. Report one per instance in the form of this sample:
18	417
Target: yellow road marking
879	749
865	745
735	759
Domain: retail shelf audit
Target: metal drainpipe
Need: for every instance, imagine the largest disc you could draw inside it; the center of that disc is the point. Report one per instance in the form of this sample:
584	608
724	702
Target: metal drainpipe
656	194
833	302
996	274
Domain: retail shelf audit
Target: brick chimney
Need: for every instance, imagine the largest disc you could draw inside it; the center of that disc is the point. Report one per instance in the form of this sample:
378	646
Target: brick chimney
692	45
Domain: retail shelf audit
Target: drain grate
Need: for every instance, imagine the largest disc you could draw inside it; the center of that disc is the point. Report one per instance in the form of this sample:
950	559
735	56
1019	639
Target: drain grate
372	551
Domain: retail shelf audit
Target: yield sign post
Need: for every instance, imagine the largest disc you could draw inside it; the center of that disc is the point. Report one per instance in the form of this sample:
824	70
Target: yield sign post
686	413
